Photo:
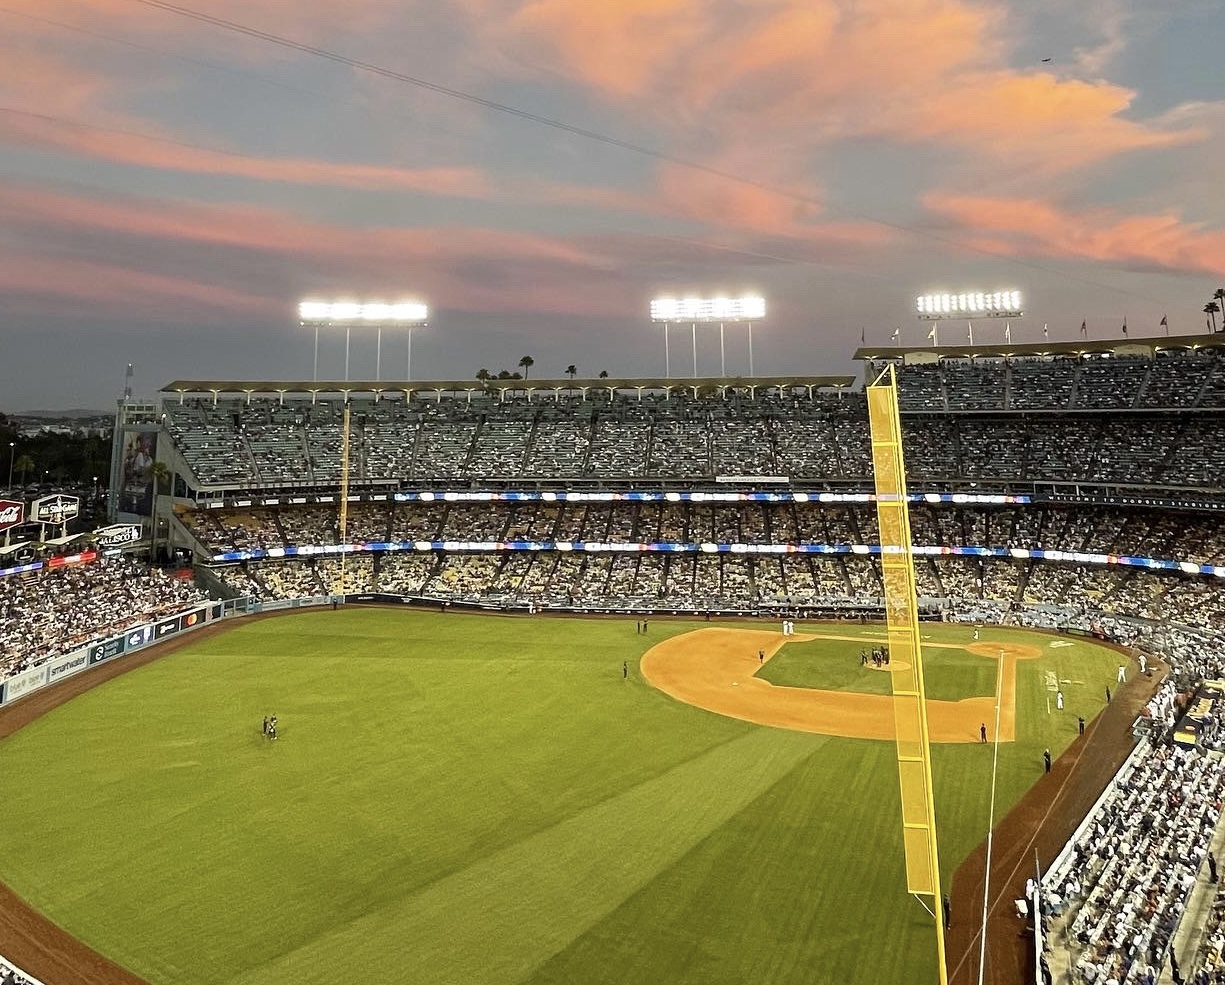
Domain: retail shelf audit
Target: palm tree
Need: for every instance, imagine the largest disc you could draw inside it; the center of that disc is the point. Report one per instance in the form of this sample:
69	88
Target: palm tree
483	374
527	362
572	371
1219	296
1210	309
158	474
603	374
23	465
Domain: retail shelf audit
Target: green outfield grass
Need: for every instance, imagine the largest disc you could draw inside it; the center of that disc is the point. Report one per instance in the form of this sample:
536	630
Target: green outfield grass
483	799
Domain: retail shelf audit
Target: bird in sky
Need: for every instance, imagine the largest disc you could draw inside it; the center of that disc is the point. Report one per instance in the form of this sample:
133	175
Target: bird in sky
1046	59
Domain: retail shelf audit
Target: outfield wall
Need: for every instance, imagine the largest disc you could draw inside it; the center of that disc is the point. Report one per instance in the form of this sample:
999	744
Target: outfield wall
132	639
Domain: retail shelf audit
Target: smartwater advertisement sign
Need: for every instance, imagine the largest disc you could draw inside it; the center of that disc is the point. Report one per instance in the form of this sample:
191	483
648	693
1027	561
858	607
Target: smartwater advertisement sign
66	665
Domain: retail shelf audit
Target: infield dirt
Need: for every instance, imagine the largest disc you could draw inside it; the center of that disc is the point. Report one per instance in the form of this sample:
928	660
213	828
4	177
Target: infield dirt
716	669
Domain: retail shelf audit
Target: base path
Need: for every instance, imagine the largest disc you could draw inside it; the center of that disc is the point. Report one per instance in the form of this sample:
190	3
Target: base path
716	669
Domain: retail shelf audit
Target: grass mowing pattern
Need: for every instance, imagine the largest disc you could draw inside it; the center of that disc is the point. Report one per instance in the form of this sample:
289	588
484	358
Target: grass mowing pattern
481	799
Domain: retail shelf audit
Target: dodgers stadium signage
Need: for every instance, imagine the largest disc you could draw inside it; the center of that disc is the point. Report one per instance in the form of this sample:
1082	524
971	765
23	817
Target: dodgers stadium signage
118	534
56	509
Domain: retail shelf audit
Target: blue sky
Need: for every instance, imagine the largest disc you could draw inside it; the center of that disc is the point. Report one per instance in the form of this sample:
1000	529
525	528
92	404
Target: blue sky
173	186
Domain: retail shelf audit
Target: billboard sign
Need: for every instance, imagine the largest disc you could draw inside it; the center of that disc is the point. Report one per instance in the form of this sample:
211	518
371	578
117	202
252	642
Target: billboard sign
139	637
104	651
25	554
190	620
57	509
12	513
24	683
135	480
71	663
118	534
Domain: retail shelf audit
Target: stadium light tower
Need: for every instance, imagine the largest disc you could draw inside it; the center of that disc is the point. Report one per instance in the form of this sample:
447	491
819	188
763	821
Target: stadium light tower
363	314
969	305
707	311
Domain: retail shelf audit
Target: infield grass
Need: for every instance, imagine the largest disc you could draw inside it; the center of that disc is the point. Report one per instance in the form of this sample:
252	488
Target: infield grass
484	799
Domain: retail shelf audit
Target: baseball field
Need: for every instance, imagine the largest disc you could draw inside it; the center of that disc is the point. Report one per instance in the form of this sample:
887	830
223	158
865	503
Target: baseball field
496	799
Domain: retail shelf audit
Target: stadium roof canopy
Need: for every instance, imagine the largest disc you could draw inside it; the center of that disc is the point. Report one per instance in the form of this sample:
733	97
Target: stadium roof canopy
494	386
1081	347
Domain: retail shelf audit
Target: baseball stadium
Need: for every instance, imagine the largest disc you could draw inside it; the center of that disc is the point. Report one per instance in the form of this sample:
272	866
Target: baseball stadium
600	681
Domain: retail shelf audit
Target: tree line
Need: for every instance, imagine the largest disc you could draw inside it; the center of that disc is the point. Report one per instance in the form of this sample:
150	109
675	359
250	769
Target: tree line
526	362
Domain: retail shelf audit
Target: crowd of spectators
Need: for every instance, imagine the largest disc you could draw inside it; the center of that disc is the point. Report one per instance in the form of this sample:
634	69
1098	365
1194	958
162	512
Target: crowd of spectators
1173	378
52	612
1124	885
962	421
11	975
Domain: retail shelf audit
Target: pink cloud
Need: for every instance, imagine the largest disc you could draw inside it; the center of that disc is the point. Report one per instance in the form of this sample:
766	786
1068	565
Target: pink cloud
169	155
258	258
69	285
1032	227
792	76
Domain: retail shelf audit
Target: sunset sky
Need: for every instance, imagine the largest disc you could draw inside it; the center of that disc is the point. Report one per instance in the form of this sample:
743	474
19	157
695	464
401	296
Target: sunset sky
174	183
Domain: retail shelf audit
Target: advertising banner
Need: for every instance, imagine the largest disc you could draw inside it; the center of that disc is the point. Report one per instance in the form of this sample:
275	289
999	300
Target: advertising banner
138	637
24	683
11	513
65	666
104	651
135	482
25	554
118	534
57	509
190	620
167	627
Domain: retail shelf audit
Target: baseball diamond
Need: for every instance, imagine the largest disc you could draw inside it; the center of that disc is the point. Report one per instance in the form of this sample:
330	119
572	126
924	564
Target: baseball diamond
438	737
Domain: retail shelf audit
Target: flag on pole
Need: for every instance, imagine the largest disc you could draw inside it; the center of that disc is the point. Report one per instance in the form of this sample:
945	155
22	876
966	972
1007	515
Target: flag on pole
1007	333
1165	324
896	333
932	334
1124	324
863	335
970	332
1045	334
1084	329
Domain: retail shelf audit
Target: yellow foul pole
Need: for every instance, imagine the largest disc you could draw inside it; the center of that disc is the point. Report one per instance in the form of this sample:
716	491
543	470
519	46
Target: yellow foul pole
905	652
342	536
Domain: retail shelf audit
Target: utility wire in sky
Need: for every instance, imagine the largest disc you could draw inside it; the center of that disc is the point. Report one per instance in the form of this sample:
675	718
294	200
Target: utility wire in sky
605	139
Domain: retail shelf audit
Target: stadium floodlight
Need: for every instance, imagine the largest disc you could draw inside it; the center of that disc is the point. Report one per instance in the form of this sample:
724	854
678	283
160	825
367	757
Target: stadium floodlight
715	310
348	314
352	313
718	309
971	304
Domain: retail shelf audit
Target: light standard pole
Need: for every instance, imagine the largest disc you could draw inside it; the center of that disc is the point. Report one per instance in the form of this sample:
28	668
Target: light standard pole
12	452
350	314
715	311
